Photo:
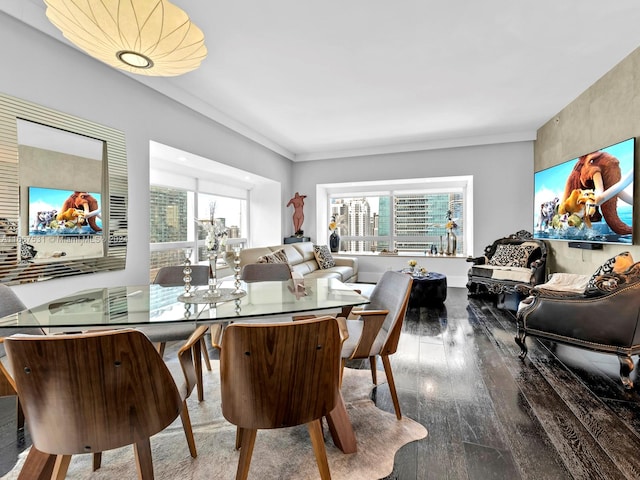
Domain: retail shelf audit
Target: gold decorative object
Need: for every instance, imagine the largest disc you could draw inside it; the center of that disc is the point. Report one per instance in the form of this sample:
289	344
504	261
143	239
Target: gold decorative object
147	37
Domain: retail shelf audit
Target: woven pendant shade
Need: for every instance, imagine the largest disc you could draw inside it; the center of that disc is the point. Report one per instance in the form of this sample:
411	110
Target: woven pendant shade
148	37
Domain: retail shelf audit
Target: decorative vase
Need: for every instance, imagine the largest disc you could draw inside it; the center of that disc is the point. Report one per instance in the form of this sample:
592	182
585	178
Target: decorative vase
213	291
452	243
334	241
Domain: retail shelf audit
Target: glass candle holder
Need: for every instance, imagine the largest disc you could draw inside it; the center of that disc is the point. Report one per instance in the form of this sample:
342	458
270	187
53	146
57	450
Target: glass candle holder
187	272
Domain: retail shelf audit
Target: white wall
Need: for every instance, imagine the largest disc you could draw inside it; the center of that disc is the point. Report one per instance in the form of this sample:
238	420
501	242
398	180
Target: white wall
39	69
502	193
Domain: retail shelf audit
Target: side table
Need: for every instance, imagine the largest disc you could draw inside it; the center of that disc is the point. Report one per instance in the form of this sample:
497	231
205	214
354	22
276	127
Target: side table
428	290
296	239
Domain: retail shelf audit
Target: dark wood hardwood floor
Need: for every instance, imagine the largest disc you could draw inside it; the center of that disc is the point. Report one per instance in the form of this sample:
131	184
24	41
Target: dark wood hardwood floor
560	414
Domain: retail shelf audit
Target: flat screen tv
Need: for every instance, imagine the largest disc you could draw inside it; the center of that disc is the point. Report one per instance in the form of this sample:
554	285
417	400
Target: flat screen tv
55	212
587	199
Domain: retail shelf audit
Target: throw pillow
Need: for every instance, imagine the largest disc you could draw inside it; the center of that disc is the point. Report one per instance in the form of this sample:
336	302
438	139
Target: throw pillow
508	255
617	264
323	256
279	256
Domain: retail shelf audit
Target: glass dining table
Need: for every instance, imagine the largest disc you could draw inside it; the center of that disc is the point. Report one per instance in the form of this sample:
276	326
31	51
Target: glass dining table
148	305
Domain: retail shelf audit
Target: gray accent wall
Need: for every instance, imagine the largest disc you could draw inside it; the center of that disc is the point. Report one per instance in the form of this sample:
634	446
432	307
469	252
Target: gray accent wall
606	113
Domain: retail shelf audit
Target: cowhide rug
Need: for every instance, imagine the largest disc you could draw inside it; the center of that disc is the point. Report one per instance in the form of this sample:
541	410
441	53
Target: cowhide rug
278	454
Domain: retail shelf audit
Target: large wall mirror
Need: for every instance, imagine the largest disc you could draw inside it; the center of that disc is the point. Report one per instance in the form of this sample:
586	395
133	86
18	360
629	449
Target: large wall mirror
63	194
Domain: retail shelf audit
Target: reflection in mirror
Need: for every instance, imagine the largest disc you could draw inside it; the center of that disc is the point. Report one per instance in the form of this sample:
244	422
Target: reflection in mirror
60	178
63	194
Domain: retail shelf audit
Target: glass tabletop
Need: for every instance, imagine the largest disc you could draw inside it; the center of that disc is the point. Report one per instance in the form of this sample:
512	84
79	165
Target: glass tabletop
155	304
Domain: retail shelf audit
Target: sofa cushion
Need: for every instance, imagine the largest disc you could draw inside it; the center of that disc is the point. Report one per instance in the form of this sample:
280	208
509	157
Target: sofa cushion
323	257
334	272
565	282
276	257
616	264
510	255
500	272
293	254
251	255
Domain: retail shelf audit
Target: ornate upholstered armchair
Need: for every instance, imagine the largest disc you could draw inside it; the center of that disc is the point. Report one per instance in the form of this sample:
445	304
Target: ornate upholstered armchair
604	317
506	263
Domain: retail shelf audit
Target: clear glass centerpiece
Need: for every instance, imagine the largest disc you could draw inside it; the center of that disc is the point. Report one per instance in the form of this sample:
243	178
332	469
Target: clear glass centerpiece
215	242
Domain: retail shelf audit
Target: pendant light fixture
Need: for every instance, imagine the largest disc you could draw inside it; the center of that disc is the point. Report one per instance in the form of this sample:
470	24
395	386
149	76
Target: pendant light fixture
148	37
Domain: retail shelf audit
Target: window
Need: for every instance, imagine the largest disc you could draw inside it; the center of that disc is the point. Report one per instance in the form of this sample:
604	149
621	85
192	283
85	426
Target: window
231	211
173	225
400	219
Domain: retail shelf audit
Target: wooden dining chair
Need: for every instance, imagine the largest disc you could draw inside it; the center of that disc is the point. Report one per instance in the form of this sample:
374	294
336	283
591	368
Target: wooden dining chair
279	375
9	304
375	329
82	393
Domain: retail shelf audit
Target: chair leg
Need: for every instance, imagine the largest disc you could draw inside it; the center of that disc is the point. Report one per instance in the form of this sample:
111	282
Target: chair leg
392	385
238	438
205	354
144	462
197	365
374	370
343	362
188	431
215	332
97	461
160	347
317	440
19	414
61	466
246	450
37	466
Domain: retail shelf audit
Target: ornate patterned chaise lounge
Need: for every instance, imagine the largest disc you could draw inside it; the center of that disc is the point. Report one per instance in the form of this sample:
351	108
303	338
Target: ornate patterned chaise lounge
506	263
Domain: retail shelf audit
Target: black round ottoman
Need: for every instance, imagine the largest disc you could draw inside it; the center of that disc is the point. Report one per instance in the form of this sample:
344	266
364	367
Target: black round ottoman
428	290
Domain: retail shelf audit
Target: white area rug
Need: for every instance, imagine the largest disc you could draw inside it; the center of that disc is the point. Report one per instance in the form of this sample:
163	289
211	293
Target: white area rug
278	454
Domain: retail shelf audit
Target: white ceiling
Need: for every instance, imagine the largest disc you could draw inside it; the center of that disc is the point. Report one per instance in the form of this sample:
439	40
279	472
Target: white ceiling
315	80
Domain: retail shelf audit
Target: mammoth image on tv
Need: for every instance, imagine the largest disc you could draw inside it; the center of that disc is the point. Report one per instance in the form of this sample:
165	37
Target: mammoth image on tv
63	212
589	198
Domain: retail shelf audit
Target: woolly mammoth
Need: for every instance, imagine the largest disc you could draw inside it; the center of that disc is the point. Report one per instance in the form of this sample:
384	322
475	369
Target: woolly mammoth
87	203
601	172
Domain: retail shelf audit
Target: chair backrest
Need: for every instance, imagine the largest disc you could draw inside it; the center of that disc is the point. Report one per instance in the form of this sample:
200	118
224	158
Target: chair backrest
391	293
262	272
173	276
10	303
279	375
92	392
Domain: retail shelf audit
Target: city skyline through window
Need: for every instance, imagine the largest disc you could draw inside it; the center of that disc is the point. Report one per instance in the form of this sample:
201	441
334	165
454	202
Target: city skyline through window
399	221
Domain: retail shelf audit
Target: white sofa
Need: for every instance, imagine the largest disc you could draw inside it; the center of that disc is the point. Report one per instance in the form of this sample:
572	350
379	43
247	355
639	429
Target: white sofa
302	260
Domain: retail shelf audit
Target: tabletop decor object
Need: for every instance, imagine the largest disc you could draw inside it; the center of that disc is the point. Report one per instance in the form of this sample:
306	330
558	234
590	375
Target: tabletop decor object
412	265
215	240
236	270
337	221
187	273
452	239
204	296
